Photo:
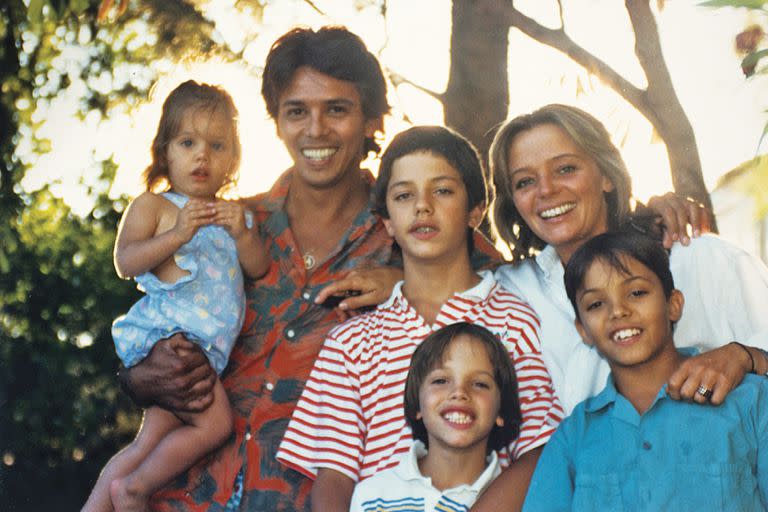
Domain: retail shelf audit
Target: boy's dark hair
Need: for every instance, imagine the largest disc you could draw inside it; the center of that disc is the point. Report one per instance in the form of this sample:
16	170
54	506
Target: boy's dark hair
333	51
199	96
609	248
440	141
430	353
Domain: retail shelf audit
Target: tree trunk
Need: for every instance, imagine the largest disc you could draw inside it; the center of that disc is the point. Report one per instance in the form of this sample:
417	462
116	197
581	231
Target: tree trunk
477	96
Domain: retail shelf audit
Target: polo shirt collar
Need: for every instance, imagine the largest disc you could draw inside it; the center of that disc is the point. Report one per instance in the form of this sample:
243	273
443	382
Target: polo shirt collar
479	292
408	469
610	395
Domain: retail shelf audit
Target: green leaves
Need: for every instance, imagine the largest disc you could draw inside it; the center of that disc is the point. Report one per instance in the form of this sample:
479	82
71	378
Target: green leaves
750	62
749	4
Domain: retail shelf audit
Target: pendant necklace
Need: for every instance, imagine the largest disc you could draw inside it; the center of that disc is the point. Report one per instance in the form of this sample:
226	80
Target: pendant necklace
309	260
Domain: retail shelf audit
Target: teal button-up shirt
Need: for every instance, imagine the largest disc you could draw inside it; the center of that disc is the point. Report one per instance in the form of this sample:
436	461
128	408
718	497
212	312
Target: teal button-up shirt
677	456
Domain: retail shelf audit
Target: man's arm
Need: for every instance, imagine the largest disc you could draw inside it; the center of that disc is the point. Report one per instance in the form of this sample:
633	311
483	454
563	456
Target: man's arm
332	491
366	287
175	375
510	486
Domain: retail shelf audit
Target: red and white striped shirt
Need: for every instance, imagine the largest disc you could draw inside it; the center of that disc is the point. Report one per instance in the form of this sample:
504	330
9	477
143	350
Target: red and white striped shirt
350	417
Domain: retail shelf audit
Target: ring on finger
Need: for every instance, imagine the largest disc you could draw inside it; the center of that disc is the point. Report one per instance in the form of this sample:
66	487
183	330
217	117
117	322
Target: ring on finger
705	392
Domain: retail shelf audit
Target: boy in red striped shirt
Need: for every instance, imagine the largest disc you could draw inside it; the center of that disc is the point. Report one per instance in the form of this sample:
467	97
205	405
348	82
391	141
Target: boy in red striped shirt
349	423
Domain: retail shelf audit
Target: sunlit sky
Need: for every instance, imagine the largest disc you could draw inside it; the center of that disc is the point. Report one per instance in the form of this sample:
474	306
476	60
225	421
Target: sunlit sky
724	108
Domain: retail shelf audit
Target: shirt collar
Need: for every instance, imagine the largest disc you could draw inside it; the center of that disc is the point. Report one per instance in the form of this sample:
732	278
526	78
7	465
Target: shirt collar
479	292
408	469
610	394
275	197
549	262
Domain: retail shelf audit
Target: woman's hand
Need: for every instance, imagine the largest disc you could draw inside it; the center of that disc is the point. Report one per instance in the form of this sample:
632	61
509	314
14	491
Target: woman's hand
359	289
677	212
719	370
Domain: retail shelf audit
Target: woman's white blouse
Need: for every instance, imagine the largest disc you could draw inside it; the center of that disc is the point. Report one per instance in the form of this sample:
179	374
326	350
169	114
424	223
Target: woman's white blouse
726	299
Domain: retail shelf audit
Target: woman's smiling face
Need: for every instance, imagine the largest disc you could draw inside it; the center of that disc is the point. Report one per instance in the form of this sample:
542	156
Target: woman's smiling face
557	188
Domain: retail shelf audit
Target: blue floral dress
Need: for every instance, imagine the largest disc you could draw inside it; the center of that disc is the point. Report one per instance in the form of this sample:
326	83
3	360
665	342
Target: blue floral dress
208	305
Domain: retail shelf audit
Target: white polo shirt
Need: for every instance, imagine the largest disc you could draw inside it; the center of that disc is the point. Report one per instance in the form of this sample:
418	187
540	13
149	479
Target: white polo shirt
403	487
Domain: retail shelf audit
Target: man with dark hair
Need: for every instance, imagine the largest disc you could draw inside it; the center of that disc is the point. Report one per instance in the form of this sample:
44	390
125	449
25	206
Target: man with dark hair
327	95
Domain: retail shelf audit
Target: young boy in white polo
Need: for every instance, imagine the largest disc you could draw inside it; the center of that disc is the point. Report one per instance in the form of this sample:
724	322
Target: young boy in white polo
461	405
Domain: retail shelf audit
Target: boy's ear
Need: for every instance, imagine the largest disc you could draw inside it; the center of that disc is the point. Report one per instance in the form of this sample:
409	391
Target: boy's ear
499	421
418	415
675	305
583	333
388	227
476	215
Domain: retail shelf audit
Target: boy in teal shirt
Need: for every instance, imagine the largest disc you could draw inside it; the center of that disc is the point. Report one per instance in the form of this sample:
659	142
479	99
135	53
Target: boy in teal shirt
631	447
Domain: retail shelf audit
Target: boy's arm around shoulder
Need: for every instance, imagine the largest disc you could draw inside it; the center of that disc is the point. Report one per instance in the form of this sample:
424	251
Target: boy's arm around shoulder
140	247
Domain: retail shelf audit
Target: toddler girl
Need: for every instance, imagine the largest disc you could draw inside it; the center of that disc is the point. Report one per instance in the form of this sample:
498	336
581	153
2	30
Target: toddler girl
188	250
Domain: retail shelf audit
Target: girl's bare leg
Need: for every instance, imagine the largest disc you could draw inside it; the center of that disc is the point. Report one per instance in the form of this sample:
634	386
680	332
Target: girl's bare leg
157	423
178	450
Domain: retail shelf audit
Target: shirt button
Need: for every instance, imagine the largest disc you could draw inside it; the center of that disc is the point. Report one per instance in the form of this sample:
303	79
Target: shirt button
646	445
270	386
306	295
248	436
290	333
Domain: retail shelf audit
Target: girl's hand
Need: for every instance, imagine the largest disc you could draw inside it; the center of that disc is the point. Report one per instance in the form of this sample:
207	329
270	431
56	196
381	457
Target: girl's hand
231	216
195	214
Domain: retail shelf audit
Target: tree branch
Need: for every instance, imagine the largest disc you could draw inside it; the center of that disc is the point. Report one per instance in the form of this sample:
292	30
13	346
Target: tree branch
560	41
651	59
398	79
315	7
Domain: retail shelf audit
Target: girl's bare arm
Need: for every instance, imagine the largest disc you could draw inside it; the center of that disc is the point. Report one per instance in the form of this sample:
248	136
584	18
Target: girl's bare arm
143	242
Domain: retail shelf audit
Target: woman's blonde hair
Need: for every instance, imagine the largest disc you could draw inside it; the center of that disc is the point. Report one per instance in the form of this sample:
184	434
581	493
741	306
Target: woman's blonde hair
591	136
